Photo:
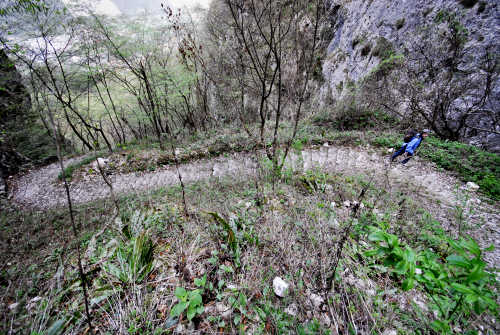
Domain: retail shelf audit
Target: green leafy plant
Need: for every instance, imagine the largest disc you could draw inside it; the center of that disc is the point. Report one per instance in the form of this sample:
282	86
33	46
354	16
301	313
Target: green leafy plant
314	181
189	301
458	285
135	259
70	169
236	232
240	304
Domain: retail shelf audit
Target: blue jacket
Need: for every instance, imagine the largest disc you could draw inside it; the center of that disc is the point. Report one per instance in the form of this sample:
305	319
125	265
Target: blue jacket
413	144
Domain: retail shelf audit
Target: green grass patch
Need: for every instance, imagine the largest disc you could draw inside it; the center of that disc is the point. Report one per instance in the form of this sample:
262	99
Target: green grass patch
68	170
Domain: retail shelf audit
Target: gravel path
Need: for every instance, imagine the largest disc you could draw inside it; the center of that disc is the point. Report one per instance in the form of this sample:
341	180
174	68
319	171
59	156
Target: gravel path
39	189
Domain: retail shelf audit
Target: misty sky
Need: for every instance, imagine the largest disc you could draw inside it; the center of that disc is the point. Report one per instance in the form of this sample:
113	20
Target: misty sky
116	7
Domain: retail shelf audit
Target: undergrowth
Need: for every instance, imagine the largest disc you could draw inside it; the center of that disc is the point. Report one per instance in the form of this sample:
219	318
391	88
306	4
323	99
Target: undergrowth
154	271
71	168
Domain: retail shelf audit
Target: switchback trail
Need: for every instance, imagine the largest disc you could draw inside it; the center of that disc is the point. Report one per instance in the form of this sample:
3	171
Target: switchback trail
40	189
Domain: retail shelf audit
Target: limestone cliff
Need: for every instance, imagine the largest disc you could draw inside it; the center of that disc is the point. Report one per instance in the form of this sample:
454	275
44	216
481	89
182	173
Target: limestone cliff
364	28
14	102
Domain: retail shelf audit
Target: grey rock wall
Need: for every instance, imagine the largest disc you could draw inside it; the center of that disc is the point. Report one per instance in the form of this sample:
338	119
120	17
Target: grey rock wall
361	26
14	104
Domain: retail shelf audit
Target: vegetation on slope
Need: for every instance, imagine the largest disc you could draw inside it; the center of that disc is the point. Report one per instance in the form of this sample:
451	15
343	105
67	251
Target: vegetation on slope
153	270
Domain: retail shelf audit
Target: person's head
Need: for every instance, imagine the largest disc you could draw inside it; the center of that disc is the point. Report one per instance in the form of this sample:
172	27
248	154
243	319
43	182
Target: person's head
424	133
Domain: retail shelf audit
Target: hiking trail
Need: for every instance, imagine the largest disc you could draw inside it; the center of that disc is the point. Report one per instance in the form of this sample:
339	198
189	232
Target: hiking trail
41	190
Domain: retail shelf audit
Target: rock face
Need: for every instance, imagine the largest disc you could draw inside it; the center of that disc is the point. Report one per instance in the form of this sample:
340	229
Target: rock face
364	29
14	101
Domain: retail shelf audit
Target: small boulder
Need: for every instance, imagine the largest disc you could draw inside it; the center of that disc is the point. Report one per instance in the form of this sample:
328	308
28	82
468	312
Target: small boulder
102	163
280	287
471	186
13	307
390	151
326	144
316	300
292	310
224	311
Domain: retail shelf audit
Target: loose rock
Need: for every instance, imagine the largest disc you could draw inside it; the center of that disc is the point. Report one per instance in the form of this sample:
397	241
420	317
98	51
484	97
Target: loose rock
316	300
224	311
470	186
13	307
280	287
292	310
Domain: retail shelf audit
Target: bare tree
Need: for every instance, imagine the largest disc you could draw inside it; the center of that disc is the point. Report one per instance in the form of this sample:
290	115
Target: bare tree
76	234
147	72
445	80
48	52
274	50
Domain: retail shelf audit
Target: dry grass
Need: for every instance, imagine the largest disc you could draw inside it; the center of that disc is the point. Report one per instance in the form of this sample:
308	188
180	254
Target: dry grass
292	233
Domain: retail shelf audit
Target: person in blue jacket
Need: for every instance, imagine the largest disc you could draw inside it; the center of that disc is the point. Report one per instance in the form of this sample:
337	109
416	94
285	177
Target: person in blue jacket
411	146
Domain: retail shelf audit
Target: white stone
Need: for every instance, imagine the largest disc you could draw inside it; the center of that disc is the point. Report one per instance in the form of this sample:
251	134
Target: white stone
420	303
102	163
32	305
316	300
180	328
332	205
325	320
475	201
280	287
390	332
391	150
13	307
231	287
325	144
472	186
292	310
224	311
347	203
333	222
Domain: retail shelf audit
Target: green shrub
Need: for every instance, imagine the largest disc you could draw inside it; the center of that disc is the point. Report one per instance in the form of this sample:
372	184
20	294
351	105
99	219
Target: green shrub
457	285
471	163
383	48
68	170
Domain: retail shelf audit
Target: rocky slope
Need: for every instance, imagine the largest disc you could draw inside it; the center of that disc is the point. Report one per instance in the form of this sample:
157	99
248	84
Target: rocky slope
434	190
362	27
